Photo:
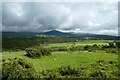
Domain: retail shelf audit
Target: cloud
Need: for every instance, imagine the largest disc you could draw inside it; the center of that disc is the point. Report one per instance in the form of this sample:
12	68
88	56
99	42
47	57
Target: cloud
76	16
108	32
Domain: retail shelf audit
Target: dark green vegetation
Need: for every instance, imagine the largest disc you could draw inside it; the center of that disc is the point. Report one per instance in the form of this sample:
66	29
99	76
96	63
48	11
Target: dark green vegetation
112	47
21	43
37	52
54	57
16	68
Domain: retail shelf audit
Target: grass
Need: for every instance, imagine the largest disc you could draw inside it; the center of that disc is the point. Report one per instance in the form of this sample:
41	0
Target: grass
78	43
61	58
58	59
11	52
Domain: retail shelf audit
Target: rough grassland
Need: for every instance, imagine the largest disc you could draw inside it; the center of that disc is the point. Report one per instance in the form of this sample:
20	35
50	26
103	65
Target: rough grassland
58	59
98	42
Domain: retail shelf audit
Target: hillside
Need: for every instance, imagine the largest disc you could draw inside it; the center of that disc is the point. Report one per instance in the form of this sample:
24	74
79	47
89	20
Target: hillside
62	34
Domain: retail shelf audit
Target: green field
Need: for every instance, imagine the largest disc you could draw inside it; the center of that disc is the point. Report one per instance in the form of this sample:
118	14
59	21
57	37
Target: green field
62	58
58	59
75	59
98	42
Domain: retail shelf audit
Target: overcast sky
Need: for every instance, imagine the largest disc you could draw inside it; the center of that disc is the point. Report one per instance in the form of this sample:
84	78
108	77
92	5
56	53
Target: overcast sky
78	17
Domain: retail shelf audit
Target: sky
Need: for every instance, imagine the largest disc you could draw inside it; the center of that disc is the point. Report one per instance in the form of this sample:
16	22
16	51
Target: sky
77	17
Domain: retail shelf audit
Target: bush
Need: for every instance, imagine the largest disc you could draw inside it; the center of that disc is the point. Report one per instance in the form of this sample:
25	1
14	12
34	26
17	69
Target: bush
87	47
95	47
98	74
111	45
111	50
102	69
45	51
69	71
75	48
16	68
117	44
50	74
92	48
37	52
105	46
62	49
32	52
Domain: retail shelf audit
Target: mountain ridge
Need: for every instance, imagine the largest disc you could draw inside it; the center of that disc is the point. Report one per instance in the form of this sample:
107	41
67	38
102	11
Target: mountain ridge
62	34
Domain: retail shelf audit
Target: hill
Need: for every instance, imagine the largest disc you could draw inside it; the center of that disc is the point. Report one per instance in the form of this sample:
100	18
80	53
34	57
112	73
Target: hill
62	34
80	35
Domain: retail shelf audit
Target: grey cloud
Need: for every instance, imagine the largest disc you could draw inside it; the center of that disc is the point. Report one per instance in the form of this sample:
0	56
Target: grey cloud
119	14
32	16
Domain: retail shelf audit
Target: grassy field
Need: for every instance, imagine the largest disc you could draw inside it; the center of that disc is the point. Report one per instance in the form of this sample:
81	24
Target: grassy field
75	59
98	42
58	59
11	52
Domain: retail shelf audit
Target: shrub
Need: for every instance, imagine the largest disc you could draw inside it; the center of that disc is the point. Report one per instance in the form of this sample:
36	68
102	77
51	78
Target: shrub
87	47
69	71
111	50
95	47
117	44
105	46
50	74
16	68
75	48
111	45
32	52
45	51
37	52
62	49
98	74
102	69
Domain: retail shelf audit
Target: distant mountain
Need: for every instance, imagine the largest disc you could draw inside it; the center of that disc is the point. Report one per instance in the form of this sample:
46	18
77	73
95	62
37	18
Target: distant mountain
80	35
64	34
53	32
57	33
61	34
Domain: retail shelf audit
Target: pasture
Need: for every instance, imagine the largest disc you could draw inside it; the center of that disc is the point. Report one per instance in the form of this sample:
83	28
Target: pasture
98	42
74	59
58	59
62	58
